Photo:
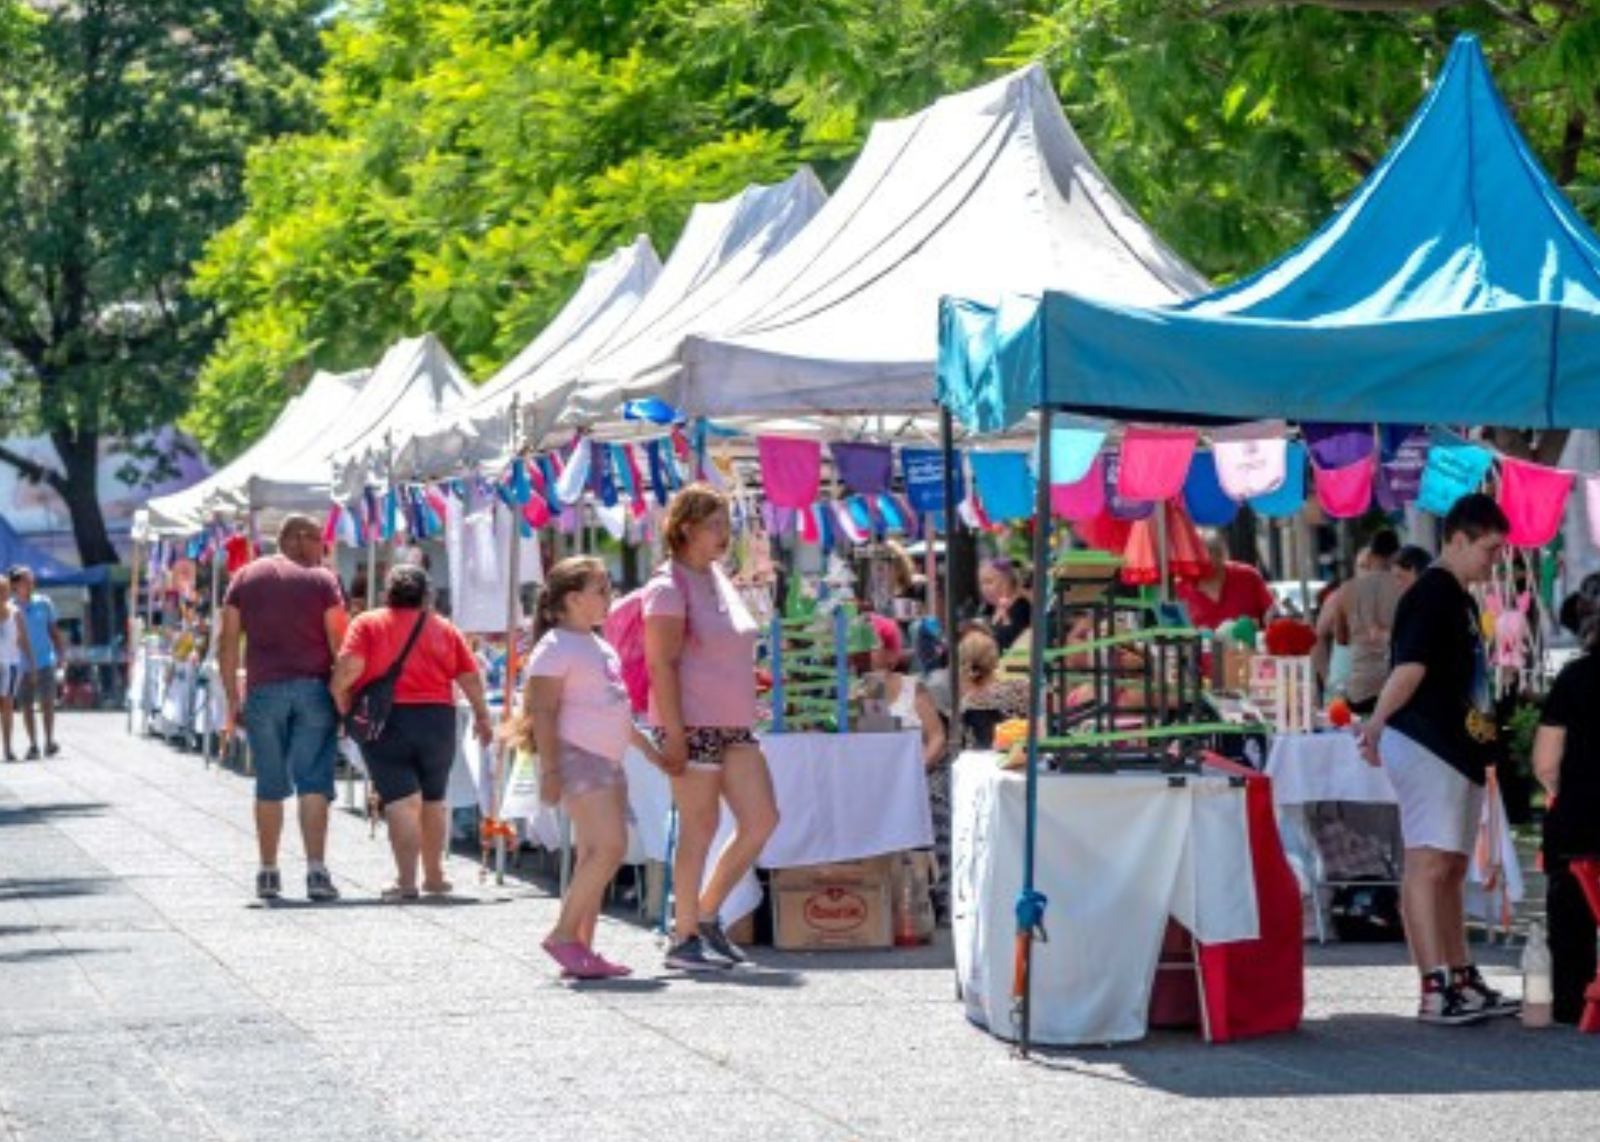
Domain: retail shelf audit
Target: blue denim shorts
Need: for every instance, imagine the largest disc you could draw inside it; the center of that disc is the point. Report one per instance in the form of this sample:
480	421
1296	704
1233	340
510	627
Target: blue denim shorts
293	732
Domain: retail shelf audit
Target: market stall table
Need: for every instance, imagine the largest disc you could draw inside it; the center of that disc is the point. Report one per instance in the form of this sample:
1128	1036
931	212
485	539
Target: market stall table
1117	855
1307	769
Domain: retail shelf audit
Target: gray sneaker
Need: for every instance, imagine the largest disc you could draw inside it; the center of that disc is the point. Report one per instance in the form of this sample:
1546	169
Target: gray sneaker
269	884
319	885
693	955
716	940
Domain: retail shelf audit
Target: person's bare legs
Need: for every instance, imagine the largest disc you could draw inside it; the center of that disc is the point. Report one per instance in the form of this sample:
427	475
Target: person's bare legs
698	795
435	824
269	831
404	818
47	714
28	724
747	786
600	823
1431	900
5	723
314	826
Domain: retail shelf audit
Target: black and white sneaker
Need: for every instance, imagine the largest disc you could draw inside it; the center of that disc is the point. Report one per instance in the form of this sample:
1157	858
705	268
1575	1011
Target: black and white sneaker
1479	996
1445	1006
693	955
269	884
716	940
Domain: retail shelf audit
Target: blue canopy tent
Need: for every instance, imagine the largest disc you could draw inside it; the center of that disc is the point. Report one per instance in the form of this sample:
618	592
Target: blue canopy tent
1457	285
48	571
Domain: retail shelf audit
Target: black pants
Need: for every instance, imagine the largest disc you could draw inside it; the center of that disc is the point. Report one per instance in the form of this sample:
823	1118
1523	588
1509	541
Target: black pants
414	753
1572	941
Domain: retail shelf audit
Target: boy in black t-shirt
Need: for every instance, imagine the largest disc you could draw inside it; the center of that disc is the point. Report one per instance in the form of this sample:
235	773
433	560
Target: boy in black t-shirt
1431	731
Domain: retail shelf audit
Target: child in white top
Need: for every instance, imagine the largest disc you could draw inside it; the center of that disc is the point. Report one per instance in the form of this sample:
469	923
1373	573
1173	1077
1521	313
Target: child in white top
576	714
14	653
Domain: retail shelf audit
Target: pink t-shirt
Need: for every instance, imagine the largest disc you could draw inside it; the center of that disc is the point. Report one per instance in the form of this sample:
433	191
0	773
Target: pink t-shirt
595	714
716	668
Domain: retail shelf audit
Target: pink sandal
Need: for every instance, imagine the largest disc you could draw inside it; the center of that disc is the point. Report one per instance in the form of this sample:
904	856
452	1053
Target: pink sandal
577	961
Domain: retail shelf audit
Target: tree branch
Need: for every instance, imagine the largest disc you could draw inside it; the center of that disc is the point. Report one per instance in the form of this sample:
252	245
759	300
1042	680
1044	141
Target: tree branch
33	470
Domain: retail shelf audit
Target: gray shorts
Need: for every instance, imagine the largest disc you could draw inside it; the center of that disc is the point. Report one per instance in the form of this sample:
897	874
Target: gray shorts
38	686
584	772
1439	808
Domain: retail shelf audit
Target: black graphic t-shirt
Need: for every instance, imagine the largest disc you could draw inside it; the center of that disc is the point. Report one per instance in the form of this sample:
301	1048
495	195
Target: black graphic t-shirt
1436	626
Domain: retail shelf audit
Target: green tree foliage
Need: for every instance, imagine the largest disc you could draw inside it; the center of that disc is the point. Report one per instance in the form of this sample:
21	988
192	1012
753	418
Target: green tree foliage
1237	126
123	131
478	155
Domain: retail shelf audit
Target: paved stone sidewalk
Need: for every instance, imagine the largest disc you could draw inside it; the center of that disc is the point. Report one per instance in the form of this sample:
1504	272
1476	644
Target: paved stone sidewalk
145	996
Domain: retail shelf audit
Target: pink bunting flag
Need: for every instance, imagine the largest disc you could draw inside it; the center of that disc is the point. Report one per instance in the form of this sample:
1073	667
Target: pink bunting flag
791	469
1084	500
1346	492
1155	462
1534	499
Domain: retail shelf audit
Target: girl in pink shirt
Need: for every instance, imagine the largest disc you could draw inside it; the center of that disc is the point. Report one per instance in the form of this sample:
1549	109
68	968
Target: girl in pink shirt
576	714
699	646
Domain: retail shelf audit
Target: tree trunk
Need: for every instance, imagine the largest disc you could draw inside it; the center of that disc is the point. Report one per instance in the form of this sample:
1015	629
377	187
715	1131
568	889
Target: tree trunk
80	456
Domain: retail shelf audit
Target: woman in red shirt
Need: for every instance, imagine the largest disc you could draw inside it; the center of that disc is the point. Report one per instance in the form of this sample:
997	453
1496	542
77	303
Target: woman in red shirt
410	761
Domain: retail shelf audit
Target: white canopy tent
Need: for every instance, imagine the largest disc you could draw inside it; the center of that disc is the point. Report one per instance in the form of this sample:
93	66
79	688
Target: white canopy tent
723	246
984	193
324	401
480	429
415	380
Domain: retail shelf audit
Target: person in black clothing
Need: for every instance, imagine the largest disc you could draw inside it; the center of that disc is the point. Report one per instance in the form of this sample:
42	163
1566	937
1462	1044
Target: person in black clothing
1432	730
1005	605
1566	760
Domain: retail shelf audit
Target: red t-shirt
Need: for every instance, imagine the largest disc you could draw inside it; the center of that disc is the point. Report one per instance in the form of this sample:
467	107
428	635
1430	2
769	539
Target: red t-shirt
282	608
1245	594
439	657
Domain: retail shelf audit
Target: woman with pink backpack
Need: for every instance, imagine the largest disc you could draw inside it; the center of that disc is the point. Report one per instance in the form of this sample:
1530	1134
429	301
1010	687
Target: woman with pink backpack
699	650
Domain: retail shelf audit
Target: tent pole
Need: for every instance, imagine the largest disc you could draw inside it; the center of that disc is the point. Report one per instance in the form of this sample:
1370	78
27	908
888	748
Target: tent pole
211	645
1163	556
952	521
508	684
133	634
1030	903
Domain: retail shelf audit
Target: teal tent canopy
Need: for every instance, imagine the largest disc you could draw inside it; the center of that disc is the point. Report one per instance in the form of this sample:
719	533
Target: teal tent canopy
1457	285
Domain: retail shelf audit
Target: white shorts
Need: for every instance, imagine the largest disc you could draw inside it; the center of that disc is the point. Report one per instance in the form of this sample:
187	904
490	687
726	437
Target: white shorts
1439	808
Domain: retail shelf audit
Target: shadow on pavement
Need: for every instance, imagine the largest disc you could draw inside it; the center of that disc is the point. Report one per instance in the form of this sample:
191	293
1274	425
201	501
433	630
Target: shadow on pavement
1347	1054
37	888
38	814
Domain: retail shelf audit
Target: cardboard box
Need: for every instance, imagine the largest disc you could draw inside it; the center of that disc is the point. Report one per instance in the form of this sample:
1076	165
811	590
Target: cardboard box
846	905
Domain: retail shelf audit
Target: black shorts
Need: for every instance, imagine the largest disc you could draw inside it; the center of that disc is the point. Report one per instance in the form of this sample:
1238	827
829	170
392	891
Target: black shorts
414	754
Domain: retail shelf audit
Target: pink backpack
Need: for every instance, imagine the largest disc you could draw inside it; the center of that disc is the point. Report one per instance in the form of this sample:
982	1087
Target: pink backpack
624	630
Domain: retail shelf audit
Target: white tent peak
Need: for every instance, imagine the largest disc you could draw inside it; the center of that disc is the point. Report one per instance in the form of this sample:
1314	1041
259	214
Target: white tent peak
722	246
984	193
481	428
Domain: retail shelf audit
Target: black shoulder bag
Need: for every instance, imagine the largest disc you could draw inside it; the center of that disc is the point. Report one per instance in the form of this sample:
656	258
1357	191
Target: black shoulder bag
370	709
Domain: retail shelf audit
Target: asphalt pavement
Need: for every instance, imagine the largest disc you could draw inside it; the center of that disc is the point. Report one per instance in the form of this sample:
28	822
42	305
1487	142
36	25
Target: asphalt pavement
145	995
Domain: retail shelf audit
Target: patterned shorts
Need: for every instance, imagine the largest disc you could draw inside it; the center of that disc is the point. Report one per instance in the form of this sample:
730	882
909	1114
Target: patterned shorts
708	744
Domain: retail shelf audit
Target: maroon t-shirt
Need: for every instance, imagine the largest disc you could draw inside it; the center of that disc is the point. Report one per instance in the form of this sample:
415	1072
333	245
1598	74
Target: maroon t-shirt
281	607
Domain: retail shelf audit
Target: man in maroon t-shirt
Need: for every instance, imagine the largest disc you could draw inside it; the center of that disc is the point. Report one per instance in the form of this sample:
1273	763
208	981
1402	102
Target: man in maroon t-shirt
291	611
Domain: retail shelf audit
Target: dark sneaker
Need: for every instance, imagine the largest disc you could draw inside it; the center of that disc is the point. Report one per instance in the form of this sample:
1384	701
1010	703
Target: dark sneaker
51	749
1447	1007
693	955
1479	996
319	885
716	940
269	884
32	754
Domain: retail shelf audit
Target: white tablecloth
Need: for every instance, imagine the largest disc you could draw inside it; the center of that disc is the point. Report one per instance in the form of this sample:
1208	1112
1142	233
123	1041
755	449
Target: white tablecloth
1116	856
1328	767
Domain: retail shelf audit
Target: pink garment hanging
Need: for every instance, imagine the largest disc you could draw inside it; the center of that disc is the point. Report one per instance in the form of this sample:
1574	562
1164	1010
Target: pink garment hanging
791	470
1346	492
1250	468
1155	462
1534	499
1084	500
